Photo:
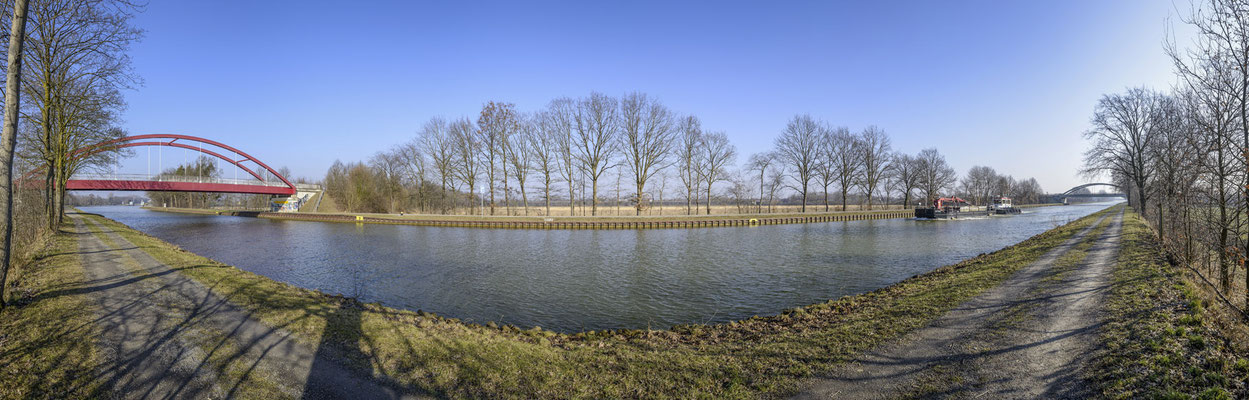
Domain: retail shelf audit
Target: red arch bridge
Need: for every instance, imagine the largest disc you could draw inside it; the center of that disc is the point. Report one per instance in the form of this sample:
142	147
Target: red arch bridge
276	184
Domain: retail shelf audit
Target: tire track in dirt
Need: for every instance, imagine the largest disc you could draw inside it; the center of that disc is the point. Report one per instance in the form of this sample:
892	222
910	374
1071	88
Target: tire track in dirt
167	336
968	351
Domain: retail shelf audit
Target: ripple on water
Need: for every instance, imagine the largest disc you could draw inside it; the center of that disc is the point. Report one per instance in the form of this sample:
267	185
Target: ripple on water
598	279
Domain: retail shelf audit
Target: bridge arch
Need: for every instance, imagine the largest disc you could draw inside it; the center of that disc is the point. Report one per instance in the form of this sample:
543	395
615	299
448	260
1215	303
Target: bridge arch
186	142
1074	189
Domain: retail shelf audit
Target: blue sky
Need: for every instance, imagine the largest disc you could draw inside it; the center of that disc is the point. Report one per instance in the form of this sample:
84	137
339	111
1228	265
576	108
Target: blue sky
1005	84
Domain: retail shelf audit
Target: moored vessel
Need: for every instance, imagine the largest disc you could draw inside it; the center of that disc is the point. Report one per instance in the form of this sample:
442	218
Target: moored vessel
1002	206
949	208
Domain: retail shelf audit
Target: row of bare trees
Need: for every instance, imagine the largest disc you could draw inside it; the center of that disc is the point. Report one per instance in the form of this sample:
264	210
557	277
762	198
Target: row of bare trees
67	65
1181	154
565	153
981	184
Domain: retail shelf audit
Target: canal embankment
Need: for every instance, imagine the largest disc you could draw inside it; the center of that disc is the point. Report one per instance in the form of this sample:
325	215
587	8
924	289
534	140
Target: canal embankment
564	222
1164	336
756	357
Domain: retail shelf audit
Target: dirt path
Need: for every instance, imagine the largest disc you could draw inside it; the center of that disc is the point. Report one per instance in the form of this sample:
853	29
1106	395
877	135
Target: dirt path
1023	339
167	336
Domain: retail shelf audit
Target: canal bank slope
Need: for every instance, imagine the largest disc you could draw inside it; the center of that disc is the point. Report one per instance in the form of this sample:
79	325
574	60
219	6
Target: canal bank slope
540	222
1154	342
1025	338
762	356
1106	318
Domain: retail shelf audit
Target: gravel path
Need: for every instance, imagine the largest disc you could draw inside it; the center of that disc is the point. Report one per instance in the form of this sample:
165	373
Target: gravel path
167	336
1026	338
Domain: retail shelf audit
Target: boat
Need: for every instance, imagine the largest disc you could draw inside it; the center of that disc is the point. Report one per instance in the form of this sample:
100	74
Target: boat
949	208
1002	206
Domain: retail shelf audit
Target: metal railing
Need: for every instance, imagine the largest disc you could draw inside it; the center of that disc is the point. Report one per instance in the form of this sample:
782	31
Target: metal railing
170	178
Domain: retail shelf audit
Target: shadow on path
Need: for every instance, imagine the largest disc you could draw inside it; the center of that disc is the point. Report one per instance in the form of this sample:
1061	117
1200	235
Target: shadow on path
164	335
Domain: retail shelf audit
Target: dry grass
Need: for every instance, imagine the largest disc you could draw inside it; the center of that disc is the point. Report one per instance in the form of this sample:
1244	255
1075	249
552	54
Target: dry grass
46	333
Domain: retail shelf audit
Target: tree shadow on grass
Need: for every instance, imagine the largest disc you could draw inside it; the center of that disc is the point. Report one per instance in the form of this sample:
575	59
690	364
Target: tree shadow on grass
161	334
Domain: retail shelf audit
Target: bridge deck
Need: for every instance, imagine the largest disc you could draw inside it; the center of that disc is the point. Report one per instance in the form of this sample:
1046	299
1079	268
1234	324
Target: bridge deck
177	184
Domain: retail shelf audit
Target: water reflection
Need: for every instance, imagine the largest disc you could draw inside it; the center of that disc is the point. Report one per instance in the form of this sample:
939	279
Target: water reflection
590	279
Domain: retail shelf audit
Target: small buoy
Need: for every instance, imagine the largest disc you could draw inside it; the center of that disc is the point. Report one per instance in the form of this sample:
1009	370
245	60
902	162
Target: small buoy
754	221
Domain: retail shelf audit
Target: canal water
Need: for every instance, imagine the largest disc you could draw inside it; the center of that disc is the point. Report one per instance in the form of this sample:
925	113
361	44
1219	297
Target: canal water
573	280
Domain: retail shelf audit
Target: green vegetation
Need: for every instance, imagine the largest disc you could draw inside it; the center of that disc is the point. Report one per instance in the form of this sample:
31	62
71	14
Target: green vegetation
1158	343
760	356
47	331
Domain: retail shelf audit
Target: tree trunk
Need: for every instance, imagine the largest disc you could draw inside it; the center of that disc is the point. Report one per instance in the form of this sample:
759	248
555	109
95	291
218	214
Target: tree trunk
825	198
639	199
708	198
759	208
804	197
594	198
524	198
1161	227
1244	129
59	202
442	195
17	34
688	204
491	184
507	200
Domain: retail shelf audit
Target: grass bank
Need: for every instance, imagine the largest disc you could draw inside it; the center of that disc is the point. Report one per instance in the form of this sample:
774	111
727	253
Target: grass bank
1159	341
757	357
47	331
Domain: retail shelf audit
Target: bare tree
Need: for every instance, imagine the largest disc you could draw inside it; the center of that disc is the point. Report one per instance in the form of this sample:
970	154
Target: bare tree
1216	72
468	149
825	170
412	157
520	153
760	162
776	181
663	184
874	157
1027	191
1122	130
544	143
597	122
689	158
560	117
495	126
739	191
798	145
935	175
718	153
1005	185
76	54
387	167
1174	165
979	183
647	139
1212	110
844	155
438	143
906	172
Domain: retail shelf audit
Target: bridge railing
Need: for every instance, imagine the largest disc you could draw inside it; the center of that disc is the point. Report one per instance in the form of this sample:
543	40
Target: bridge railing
171	178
